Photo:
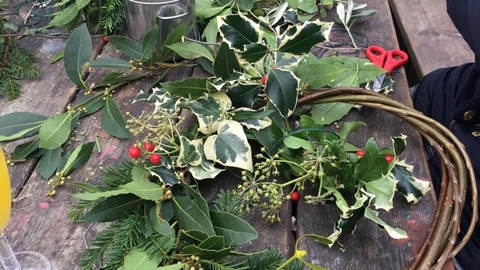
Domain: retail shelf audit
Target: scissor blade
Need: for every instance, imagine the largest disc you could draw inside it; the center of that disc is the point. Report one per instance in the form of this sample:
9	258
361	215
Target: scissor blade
377	83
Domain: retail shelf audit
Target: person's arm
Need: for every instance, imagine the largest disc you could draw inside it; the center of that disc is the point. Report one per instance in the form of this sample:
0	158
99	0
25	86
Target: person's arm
465	15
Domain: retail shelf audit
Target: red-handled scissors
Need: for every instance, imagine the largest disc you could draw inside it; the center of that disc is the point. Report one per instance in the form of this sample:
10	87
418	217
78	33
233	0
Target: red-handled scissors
388	60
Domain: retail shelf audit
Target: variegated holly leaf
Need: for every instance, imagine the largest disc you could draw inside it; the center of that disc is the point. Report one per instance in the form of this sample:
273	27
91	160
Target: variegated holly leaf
382	191
411	187
160	97
189	152
189	88
252	119
226	62
282	90
395	233
238	31
254	52
336	71
230	147
299	39
399	144
243	95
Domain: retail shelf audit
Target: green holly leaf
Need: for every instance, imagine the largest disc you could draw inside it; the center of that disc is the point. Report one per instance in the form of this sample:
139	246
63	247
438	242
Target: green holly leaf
230	147
282	90
327	113
372	165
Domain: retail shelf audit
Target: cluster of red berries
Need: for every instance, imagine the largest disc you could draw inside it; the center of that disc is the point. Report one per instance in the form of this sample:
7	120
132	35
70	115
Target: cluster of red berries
135	152
388	158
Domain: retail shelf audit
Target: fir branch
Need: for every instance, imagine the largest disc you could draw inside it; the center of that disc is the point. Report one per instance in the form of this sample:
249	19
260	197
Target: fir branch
229	201
116	175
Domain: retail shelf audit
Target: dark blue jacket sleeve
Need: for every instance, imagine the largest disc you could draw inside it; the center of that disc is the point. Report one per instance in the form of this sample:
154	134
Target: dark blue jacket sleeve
465	15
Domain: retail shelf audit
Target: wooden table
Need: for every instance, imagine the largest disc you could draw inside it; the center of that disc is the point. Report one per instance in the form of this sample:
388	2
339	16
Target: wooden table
431	38
40	223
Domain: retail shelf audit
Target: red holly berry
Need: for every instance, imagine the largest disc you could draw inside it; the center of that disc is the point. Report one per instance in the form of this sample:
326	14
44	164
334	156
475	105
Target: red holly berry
149	146
105	39
361	153
134	151
264	79
295	196
389	158
155	158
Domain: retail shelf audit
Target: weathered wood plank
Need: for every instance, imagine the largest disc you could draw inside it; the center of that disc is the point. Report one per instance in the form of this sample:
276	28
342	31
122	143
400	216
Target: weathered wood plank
370	247
429	34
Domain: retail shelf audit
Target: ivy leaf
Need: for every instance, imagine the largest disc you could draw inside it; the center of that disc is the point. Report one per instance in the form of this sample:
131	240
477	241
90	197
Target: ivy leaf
299	39
112	120
110	63
189	152
225	62
327	113
189	88
235	230
282	90
237	30
49	161
395	233
209	114
127	46
382	190
191	50
149	43
78	52
190	216
294	142
19	124
411	187
113	208
78	157
55	131
230	147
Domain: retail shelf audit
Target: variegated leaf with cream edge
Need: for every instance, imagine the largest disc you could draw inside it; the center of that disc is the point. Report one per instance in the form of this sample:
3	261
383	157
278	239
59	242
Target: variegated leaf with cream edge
210	111
189	152
230	146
